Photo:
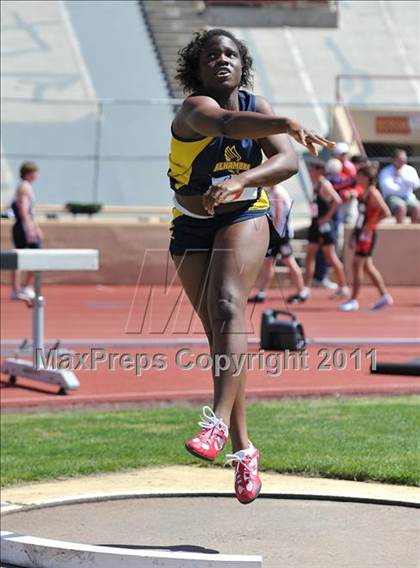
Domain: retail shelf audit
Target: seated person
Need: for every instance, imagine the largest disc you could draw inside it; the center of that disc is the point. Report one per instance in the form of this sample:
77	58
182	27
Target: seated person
397	183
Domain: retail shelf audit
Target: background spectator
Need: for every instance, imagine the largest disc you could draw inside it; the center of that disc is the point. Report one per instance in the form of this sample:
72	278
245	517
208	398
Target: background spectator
397	183
281	206
324	205
25	231
372	208
336	172
345	184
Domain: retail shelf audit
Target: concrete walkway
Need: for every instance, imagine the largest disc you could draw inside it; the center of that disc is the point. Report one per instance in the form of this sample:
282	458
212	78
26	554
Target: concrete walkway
296	530
194	479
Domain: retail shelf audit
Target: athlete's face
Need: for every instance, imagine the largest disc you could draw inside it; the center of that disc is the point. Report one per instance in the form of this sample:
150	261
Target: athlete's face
32	176
220	64
316	172
362	180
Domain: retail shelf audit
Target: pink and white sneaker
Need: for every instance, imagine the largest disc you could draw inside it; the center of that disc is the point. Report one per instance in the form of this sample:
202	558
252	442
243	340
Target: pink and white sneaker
247	480
212	438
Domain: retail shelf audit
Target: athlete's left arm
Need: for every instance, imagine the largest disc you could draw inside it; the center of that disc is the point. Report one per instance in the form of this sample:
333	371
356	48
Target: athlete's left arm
379	202
281	163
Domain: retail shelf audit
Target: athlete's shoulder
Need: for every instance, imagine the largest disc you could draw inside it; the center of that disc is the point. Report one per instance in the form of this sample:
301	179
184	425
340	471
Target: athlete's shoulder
262	105
373	194
24	188
196	100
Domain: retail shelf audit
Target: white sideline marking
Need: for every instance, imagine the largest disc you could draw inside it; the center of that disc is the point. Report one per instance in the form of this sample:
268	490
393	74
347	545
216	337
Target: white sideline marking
182	394
185	341
33	552
306	79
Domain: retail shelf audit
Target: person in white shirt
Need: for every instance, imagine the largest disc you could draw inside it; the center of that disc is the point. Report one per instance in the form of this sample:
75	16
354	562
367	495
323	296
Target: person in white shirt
280	207
397	183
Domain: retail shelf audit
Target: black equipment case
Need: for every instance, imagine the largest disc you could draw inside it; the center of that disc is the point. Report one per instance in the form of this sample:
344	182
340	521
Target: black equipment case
281	334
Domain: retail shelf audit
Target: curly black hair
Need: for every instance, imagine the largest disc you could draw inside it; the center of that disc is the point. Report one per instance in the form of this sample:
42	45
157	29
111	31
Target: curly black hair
188	73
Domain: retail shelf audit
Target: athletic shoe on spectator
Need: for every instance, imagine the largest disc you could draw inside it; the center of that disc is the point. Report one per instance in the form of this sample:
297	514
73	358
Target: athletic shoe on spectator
29	291
300	297
341	293
385	300
258	298
19	295
350	306
325	283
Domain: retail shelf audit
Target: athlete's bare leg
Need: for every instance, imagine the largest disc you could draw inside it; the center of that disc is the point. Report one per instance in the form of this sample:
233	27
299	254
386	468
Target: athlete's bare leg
336	263
399	213
193	270
358	268
238	254
16	280
295	272
375	276
28	279
266	274
311	251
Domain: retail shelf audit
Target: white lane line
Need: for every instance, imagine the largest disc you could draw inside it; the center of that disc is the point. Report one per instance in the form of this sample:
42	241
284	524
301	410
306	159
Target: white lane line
182	394
306	80
13	344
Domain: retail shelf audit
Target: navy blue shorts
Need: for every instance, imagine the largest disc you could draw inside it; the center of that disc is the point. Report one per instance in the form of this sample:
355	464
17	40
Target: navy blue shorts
19	238
189	235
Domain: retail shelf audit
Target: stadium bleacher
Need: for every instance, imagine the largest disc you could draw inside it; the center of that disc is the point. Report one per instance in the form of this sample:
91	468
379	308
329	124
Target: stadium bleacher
116	153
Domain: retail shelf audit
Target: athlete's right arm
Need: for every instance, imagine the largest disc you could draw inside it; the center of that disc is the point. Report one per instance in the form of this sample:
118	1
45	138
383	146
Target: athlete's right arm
379	201
329	194
205	117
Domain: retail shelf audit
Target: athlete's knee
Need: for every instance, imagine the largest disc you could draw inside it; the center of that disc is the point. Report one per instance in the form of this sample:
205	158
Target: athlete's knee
224	306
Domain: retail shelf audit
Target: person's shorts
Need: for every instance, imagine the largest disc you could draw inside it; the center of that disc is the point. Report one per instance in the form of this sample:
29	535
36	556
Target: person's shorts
284	248
321	235
411	202
190	235
19	238
364	246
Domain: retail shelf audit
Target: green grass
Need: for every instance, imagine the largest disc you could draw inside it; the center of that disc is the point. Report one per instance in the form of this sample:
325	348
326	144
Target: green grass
362	439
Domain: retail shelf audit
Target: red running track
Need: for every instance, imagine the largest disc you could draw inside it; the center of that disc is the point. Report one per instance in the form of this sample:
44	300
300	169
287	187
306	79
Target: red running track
144	321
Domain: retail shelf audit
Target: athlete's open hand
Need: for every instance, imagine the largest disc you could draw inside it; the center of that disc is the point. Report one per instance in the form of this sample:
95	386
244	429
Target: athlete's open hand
224	192
308	138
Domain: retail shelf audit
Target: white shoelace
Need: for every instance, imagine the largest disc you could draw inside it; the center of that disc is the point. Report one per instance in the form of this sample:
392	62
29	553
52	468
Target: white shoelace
210	421
239	459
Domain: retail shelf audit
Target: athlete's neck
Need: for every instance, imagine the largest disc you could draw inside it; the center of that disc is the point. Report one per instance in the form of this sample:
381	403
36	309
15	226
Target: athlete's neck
227	100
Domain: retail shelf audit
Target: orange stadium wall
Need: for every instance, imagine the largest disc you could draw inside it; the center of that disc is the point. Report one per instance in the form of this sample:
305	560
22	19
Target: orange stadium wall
130	250
125	249
396	254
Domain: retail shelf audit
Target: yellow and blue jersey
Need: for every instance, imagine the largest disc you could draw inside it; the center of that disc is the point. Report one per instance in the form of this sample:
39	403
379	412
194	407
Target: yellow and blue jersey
194	165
